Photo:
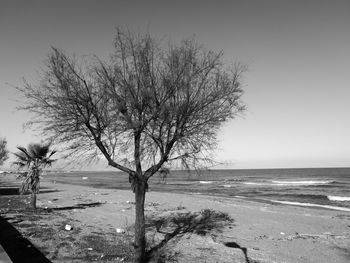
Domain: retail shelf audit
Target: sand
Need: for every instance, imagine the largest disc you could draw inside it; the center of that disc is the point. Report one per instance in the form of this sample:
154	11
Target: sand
270	232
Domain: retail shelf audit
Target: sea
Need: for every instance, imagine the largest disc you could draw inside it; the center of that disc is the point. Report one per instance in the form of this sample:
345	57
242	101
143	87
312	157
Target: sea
326	188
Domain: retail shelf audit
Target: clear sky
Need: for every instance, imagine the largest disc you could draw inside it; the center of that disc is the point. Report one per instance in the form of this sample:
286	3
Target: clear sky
297	88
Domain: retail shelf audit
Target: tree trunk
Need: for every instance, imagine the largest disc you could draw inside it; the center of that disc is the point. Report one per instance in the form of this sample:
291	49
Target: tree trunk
33	200
140	239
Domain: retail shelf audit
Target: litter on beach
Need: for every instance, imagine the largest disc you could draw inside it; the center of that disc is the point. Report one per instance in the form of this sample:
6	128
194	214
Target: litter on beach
120	230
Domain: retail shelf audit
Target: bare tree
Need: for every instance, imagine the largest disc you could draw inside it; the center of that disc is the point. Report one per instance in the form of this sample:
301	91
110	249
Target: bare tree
3	151
149	105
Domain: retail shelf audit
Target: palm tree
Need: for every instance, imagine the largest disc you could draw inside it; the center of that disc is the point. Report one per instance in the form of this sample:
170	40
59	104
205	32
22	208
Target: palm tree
34	158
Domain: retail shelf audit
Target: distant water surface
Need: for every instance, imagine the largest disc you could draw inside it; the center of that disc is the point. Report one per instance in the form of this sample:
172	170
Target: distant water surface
315	187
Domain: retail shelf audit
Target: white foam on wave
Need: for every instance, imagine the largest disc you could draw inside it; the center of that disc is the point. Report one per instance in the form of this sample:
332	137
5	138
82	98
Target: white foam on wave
312	205
227	185
252	183
289	183
310	182
338	198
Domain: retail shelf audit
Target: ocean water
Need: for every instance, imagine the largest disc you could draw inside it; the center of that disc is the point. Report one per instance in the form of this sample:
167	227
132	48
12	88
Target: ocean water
327	188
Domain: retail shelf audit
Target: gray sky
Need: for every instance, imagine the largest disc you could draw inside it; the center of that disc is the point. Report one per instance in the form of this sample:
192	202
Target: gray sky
298	54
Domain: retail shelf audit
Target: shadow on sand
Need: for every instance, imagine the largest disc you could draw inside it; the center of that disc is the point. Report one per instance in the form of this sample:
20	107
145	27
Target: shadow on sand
15	191
9	191
18	248
77	206
178	224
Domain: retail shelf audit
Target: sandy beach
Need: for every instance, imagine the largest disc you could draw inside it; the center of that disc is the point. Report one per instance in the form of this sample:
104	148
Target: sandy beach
271	233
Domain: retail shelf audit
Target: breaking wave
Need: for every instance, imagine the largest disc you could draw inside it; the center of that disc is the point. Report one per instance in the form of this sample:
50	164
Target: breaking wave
310	182
338	198
253	183
312	205
291	183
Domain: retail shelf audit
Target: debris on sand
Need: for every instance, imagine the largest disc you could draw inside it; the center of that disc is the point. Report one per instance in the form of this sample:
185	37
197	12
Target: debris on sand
120	230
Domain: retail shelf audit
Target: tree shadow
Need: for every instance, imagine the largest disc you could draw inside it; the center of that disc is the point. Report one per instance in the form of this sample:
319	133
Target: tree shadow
177	225
77	206
16	191
9	191
235	245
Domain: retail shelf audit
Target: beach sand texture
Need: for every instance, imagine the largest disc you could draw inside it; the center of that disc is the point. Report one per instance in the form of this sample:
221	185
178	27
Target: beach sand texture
271	233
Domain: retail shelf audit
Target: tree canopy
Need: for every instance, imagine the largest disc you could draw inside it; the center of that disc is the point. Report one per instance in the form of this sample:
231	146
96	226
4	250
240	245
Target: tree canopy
146	106
150	104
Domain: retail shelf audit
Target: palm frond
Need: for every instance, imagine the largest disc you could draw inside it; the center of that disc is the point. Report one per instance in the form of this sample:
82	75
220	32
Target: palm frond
22	159
52	153
21	156
34	150
43	150
48	162
39	150
20	164
24	151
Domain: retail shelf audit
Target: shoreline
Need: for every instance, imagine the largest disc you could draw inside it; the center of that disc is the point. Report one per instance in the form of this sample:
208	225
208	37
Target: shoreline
270	232
311	188
337	207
